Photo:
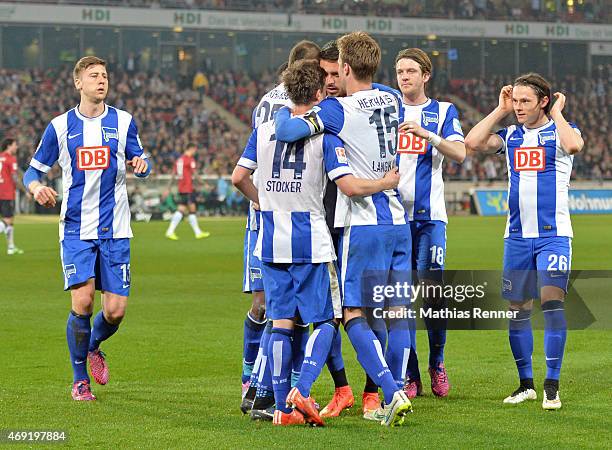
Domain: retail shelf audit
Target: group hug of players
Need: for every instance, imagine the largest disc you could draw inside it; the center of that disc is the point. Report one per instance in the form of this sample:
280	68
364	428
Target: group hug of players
345	181
383	150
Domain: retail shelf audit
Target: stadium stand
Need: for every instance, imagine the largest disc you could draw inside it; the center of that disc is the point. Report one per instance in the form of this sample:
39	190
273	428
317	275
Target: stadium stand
172	116
588	106
595	11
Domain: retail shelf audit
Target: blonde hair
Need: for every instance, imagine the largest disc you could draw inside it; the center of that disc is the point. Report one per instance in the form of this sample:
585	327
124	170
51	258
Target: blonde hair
361	52
86	62
418	56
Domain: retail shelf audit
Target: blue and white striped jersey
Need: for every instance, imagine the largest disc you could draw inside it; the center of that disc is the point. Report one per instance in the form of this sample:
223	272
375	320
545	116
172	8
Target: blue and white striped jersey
92	153
539	173
291	185
421	185
269	104
264	112
367	122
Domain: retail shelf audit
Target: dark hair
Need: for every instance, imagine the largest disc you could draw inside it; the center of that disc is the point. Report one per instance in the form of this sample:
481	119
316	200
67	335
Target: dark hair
282	68
330	52
304	50
302	80
190	145
5	144
539	84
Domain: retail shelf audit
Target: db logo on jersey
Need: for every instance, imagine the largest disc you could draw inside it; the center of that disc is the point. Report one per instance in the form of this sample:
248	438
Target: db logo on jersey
411	144
93	158
529	158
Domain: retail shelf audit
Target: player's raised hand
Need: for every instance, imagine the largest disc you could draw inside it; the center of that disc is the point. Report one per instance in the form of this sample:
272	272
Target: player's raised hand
139	165
45	196
414	128
391	178
505	99
558	103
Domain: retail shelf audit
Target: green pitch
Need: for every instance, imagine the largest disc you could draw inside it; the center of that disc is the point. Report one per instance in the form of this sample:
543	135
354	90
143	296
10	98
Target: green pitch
175	363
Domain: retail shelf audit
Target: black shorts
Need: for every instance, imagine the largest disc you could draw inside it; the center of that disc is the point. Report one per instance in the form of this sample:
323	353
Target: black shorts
7	208
186	198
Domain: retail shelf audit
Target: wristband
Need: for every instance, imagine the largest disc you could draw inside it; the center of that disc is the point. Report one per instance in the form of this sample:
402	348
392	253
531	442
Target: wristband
433	139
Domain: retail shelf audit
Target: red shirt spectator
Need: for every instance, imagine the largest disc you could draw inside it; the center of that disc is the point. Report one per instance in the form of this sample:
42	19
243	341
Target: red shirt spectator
8	169
184	168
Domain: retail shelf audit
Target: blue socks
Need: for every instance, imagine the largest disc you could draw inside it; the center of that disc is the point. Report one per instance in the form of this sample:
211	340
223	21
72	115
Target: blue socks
335	362
280	351
264	373
370	355
521	343
300	338
413	361
436	332
398	350
317	351
555	333
78	333
252	337
379	328
101	331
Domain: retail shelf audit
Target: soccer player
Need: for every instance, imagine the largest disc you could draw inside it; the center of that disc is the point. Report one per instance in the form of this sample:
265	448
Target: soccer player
537	243
431	131
185	169
257	391
294	242
93	143
343	395
8	183
376	236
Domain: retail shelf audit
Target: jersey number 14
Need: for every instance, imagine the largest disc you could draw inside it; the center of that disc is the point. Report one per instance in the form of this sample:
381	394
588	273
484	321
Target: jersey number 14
293	158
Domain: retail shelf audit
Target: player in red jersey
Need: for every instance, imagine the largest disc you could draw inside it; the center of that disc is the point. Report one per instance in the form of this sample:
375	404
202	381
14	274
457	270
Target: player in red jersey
184	170
8	177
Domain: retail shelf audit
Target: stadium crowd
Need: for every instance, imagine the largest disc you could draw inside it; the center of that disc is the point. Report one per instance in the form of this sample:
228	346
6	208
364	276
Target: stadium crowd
595	11
171	116
588	106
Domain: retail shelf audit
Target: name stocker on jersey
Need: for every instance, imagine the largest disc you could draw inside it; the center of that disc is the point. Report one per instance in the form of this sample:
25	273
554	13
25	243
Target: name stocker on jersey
264	112
538	183
291	185
92	153
421	185
367	122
